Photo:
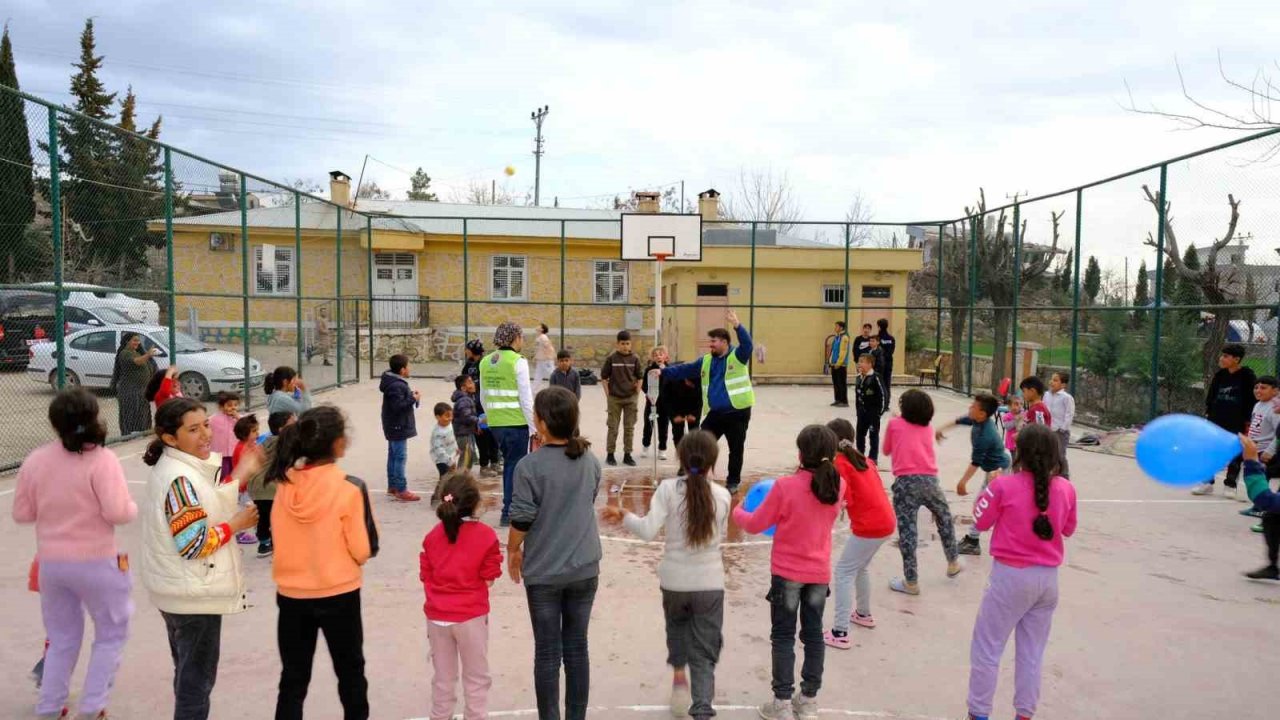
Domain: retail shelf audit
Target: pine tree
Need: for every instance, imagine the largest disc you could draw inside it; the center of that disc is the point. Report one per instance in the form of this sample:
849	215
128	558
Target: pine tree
1141	295
1169	283
1092	280
1104	354
1064	277
1188	292
141	175
420	187
23	253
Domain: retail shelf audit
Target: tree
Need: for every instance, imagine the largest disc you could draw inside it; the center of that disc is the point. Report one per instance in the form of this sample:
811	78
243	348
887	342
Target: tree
1178	367
1092	280
1141	294
1169	283
284	198
18	202
140	176
369	190
1105	353
479	193
762	196
1185	292
1064	279
420	187
859	212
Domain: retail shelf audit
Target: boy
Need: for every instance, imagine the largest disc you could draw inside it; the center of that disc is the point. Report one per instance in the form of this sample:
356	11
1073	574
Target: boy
838	360
466	421
658	359
1037	412
1063	409
621	377
262	492
565	375
863	342
444	446
398	425
877	357
887	345
490	458
1227	405
246	434
870	403
988	456
1265	502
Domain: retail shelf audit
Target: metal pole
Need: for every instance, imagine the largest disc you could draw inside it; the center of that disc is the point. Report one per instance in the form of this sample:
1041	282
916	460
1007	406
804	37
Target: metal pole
538	116
55	213
1075	294
368	224
168	249
937	342
297	274
244	286
1017	287
1159	291
338	292
848	238
973	294
466	285
561	284
751	313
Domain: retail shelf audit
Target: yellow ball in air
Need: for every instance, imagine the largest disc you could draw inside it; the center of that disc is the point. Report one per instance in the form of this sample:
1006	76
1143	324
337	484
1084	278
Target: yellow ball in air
509	170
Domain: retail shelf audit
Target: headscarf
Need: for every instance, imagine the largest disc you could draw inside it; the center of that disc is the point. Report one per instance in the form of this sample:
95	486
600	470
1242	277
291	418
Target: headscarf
506	334
475	346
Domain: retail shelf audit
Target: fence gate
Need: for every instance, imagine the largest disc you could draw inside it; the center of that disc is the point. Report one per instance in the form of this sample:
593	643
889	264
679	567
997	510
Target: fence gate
395	275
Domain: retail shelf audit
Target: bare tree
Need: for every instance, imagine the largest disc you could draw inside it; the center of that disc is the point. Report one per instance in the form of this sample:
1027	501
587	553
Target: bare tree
284	198
369	190
479	193
765	197
859	211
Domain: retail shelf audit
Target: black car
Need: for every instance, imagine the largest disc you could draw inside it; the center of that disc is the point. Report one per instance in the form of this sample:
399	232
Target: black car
25	317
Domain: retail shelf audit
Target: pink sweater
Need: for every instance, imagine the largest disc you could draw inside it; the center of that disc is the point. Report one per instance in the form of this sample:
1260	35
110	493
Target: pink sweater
802	543
75	500
224	433
1009	504
911	447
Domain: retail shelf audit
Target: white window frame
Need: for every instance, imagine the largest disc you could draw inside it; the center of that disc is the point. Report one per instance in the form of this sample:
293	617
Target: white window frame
827	288
291	288
612	268
524	277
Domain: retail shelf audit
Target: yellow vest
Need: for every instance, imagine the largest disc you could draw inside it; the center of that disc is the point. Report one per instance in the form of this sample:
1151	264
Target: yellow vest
737	382
499	392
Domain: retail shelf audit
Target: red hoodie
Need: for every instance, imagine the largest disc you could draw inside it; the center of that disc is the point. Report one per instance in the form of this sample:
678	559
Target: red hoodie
870	514
456	576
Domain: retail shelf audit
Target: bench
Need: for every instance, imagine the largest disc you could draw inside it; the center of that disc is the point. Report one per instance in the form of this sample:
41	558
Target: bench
932	373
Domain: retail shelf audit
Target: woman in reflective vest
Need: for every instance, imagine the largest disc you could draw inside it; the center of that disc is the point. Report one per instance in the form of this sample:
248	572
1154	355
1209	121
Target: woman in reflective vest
507	397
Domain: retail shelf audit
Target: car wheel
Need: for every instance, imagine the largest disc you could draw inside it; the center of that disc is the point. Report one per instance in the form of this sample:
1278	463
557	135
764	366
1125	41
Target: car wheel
194	385
72	379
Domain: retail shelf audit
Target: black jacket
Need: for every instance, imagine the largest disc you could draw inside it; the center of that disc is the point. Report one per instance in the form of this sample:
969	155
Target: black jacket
680	398
398	422
471	368
465	418
1229	401
869	395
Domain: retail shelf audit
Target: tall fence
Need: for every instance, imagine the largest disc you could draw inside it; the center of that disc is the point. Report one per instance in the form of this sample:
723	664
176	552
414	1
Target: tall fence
227	275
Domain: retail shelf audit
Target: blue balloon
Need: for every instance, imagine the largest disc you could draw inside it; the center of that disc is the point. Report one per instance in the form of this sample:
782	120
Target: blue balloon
755	498
1184	449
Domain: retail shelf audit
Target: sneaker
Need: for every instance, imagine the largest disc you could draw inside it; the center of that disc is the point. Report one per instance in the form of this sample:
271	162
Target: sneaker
662	454
644	452
1257	528
247	538
838	641
865	621
391	492
776	709
610	460
1229	492
681	699
1242	495
1271	572
804	707
1251	512
970	546
1205	488
902	586
407	496
266	549
628	460
954	568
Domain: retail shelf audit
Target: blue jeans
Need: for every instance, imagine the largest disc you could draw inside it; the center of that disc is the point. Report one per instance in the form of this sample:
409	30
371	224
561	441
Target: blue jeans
787	599
513	443
397	457
560	615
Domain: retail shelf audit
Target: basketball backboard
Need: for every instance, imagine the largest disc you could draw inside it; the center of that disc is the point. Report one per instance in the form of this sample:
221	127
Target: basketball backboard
676	236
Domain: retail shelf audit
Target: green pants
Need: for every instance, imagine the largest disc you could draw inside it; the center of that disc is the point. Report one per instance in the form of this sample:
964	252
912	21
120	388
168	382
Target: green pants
624	408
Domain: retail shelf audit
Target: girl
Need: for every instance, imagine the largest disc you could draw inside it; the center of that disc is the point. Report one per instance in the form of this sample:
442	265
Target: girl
321	518
553	512
804	506
263	493
189	565
693	513
1032	510
544	356
246	432
909	440
1010	421
286	392
871	522
163	386
129	377
74	490
658	358
223	427
459	562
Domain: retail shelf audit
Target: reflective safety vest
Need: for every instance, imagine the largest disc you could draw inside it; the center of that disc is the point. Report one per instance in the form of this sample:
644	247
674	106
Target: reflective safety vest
737	382
498	389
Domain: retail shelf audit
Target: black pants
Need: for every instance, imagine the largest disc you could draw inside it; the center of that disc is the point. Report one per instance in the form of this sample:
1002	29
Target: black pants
560	615
732	425
1233	472
1271	531
300	621
663	422
695	622
786	600
840	383
488	448
195	641
869	424
886	375
264	521
678	430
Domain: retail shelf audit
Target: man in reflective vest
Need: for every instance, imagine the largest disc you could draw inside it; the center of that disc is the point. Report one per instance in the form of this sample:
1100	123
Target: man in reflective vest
727	395
508	404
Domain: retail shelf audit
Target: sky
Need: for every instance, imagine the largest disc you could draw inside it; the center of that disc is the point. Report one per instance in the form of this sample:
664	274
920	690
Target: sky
913	105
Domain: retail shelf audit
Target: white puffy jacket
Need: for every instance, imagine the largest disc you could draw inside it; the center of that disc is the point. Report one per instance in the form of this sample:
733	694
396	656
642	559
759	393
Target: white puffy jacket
212	585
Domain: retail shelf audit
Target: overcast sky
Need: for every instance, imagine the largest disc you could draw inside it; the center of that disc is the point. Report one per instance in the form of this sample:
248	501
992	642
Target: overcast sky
914	104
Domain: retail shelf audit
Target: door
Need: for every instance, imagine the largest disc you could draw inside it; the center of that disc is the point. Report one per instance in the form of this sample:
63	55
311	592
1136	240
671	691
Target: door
92	356
395	275
876	301
712	302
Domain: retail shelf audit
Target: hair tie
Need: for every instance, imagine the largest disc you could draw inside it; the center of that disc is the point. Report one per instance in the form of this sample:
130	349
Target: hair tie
826	460
695	471
79	430
845	443
447	498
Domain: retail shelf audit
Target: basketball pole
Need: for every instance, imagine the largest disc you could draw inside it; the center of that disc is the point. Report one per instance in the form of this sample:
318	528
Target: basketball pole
655	383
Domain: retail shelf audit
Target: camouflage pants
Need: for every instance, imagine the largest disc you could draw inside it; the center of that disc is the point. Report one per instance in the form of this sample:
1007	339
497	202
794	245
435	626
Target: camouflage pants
910	492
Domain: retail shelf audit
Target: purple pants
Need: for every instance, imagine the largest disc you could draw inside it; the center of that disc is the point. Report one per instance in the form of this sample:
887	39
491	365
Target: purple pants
1021	600
67	589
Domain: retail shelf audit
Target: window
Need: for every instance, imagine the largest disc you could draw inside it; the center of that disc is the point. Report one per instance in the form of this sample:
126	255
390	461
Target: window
877	292
610	278
713	290
276	278
508	277
103	342
833	295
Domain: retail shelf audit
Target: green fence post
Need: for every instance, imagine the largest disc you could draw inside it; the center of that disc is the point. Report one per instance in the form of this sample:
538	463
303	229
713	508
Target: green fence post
848	238
1159	291
55	214
466	287
244	285
1075	294
338	292
937	343
298	341
973	294
168	250
562	284
1017	287
368	223
1275	365
751	312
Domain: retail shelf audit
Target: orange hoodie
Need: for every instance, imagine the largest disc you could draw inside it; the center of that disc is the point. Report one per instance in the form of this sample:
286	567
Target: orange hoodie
318	529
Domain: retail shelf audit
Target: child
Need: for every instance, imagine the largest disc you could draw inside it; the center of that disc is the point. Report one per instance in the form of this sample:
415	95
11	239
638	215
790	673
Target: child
553	513
1265	502
263	493
286	392
163	386
870	402
909	440
877	355
460	560
444	446
1266	419
246	432
1033	396
871	522
1227	406
1010	419
681	400
466	421
544	354
223	424
1031	511
398	425
621	378
693	514
1063	409
325	526
804	507
988	455
490	458
565	375
658	359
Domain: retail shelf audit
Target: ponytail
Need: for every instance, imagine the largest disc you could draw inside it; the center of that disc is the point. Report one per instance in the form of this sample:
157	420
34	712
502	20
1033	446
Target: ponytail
308	441
817	446
278	377
459	497
844	443
153	385
169	418
698	451
557	408
1037	453
74	415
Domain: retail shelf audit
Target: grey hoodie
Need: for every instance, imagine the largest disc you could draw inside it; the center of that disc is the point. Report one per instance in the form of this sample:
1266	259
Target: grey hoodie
555	499
1263	425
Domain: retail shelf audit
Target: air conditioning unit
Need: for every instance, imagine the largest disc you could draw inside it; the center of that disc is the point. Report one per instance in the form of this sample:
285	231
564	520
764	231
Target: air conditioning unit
221	242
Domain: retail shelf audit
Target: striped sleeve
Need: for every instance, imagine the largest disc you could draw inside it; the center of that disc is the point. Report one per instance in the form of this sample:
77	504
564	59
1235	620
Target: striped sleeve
189	524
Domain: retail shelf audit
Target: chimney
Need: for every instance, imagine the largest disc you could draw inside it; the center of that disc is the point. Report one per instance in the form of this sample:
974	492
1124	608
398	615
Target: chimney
709	205
340	188
647	201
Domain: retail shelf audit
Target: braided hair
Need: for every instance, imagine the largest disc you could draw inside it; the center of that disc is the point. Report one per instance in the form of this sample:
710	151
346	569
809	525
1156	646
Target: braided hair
1037	453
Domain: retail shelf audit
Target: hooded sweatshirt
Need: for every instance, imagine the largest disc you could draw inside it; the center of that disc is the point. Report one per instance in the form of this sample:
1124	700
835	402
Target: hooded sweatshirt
465	418
398	422
1229	401
319	532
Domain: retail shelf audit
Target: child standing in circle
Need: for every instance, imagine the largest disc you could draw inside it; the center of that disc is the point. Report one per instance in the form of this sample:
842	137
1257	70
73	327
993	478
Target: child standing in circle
1031	511
460	560
909	441
804	507
693	513
1010	420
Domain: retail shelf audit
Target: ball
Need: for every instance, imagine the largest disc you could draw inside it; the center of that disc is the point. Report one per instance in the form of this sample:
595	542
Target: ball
755	498
509	170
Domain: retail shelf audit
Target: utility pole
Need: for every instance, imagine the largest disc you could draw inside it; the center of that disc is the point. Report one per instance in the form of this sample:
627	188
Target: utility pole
537	116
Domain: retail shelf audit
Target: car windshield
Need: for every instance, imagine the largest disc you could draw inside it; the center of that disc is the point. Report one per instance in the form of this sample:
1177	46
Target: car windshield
188	344
113	317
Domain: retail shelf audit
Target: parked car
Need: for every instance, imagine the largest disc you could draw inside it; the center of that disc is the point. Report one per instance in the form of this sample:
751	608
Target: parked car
91	355
82	318
81	295
25	318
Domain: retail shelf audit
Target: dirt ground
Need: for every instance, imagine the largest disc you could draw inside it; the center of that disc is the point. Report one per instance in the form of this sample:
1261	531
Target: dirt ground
1155	620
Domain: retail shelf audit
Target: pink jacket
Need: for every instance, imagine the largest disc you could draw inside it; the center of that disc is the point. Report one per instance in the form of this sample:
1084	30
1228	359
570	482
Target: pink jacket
75	501
911	447
224	433
1009	505
802	544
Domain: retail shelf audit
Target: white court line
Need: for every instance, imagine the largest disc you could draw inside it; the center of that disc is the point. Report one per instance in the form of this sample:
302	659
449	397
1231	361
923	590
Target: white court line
666	709
638	541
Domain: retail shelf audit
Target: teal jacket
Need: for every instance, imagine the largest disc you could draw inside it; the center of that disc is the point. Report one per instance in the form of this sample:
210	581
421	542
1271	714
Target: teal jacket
1255	481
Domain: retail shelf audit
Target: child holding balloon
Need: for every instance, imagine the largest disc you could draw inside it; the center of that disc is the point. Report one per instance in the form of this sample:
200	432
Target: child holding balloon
804	507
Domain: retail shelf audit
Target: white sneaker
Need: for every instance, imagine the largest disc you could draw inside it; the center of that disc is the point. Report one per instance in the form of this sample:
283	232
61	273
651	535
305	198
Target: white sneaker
1202	489
1242	494
775	709
804	708
662	455
644	452
1228	493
